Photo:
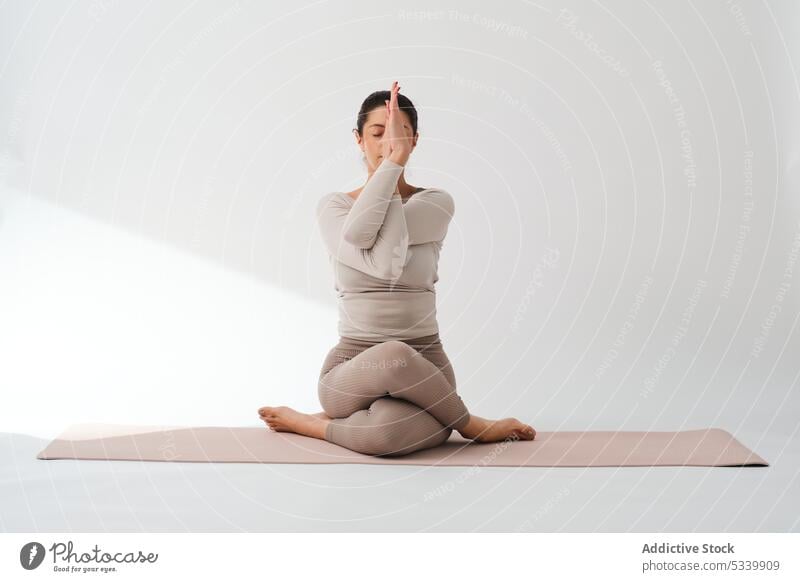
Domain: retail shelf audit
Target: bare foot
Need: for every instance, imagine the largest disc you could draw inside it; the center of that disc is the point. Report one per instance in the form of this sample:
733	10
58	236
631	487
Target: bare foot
483	430
285	419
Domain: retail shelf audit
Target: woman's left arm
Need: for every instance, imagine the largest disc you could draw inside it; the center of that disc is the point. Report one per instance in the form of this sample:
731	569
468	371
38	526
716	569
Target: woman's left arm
428	216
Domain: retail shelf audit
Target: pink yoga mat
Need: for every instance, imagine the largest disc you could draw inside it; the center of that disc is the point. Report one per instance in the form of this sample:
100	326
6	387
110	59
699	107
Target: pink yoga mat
711	447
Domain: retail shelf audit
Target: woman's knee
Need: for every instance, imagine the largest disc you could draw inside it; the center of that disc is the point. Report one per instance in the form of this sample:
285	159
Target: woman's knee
404	428
393	352
409	442
333	402
388	361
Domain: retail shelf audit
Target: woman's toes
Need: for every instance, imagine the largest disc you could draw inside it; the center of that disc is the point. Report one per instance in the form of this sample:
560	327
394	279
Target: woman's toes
272	412
522	430
279	418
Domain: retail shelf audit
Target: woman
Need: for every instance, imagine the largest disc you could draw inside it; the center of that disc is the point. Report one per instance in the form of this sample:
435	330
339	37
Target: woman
387	388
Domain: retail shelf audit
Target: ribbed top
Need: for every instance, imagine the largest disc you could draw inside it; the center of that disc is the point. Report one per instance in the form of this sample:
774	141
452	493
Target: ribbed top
384	251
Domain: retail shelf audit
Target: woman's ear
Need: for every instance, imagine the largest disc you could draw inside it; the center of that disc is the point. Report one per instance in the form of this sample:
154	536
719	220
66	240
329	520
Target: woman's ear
357	136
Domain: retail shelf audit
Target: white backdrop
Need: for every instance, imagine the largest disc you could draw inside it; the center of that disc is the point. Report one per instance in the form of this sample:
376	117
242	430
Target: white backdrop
623	255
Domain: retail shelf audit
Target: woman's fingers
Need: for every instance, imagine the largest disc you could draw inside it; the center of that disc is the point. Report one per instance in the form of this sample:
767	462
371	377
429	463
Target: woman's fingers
393	95
386	141
395	132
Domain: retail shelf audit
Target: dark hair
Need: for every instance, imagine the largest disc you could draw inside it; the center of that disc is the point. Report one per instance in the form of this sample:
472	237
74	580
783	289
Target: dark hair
378	99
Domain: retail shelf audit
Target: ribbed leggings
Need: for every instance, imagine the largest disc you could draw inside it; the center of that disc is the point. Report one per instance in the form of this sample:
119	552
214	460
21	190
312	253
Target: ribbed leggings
390	398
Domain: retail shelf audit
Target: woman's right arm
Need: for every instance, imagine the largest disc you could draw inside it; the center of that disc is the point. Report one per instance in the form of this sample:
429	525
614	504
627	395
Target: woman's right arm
372	235
361	226
369	210
385	258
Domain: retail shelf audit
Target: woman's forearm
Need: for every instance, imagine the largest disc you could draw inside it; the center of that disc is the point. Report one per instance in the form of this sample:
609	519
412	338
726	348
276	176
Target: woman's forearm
386	258
391	246
369	210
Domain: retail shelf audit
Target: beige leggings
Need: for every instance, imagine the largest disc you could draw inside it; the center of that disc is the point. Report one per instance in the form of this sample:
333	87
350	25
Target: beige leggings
390	398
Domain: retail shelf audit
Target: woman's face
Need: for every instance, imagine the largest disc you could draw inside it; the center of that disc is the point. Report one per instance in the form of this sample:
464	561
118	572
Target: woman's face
371	140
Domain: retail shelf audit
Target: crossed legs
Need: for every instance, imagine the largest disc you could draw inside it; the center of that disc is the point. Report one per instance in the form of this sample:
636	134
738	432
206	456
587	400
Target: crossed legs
390	400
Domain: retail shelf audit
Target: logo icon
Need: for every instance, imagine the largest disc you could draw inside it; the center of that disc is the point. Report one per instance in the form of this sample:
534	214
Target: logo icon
31	555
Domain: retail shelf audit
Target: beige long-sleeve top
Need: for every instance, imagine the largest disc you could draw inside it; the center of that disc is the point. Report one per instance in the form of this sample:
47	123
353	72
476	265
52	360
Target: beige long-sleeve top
385	255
